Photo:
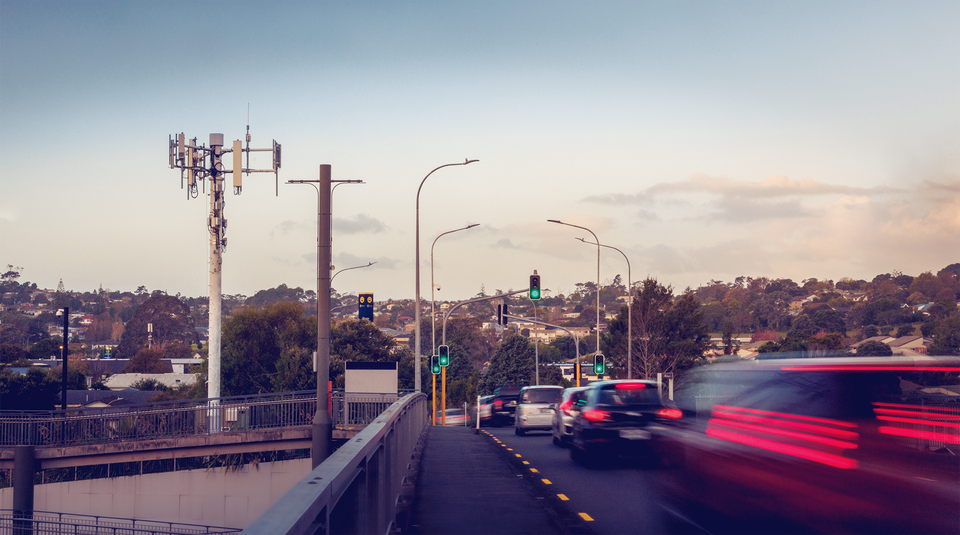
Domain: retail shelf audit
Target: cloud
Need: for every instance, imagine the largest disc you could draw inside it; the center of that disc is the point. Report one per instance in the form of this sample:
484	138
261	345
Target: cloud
620	199
771	187
745	211
347	260
646	215
362	224
505	243
290	227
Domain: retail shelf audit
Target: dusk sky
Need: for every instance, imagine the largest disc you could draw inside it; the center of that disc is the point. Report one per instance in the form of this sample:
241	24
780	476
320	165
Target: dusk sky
706	140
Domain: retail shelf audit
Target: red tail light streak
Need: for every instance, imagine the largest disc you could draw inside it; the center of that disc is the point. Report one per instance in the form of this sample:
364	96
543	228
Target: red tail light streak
820	440
932	423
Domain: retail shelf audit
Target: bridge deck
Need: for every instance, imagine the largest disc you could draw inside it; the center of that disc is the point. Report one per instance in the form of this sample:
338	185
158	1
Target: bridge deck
469	484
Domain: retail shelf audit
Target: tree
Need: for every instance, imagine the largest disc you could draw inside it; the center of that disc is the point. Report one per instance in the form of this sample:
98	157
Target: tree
149	385
171	320
470	346
829	320
45	349
905	330
253	341
11	353
511	364
147	361
946	336
295	371
668	334
873	348
33	391
566	347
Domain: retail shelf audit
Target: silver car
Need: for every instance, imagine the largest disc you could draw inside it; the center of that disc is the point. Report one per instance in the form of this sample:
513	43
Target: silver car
535	408
563	416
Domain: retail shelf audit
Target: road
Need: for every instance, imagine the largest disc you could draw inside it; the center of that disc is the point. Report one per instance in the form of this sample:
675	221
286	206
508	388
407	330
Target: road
620	498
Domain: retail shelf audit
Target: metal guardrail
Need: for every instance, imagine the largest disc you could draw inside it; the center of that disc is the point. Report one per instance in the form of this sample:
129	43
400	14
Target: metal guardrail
357	489
182	418
44	523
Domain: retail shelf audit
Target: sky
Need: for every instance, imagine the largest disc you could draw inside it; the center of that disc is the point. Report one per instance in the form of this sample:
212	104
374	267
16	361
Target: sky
704	140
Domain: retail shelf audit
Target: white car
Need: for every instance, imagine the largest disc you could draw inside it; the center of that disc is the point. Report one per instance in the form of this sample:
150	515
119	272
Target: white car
563	416
535	408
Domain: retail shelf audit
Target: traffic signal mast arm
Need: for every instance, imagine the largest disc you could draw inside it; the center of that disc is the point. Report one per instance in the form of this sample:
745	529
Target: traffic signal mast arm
575	337
471	301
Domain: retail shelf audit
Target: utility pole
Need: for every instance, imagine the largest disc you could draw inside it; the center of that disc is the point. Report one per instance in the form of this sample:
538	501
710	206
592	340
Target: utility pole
198	162
322	427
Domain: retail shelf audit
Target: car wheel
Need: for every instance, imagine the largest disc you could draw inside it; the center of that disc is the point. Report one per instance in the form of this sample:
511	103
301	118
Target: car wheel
557	441
519	431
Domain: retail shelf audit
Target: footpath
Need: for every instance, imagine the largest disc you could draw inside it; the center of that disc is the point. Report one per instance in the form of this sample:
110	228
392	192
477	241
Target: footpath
466	485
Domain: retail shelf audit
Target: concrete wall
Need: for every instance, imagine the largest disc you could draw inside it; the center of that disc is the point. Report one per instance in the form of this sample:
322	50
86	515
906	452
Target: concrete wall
217	497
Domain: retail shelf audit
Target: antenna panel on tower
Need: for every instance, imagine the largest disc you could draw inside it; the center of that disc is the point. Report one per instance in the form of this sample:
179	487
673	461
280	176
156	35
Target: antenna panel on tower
237	163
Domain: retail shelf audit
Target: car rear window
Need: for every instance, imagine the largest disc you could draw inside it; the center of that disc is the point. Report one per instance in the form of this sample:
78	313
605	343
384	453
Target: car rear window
620	395
541	395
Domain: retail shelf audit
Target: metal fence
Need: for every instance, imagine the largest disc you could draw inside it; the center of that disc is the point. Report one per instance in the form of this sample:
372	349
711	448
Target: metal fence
44	523
358	488
182	418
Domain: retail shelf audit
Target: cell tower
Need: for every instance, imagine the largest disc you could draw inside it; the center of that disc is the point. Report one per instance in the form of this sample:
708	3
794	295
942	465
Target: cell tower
199	163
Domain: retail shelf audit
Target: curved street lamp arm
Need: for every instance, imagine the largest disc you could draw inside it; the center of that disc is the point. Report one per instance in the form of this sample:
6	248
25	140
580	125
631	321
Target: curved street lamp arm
598	270
349	268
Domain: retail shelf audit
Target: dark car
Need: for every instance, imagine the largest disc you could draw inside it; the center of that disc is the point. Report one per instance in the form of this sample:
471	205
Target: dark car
503	404
623	418
837	445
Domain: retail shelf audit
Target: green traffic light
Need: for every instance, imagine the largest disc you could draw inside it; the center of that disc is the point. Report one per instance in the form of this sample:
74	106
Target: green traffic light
444	355
435	365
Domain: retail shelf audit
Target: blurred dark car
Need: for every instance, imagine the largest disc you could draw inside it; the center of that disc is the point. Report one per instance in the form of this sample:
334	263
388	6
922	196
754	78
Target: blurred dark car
503	404
837	445
570	403
535	408
623	418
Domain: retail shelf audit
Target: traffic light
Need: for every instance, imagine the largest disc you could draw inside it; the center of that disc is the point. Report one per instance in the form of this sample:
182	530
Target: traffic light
598	365
502	314
444	355
435	364
535	287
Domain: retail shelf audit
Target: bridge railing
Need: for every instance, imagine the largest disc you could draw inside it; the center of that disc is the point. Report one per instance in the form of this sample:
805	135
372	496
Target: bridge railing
181	418
357	489
41	523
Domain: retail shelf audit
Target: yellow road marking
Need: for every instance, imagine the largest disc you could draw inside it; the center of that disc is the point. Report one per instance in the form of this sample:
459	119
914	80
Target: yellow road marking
526	462
563	497
517	454
509	449
546	482
534	470
586	517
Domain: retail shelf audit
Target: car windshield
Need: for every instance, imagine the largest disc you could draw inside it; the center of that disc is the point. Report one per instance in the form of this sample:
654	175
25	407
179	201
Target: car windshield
627	395
541	395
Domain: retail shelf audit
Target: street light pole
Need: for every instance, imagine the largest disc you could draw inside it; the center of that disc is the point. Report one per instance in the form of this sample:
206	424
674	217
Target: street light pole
417	356
629	307
598	271
322	423
433	333
433	323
